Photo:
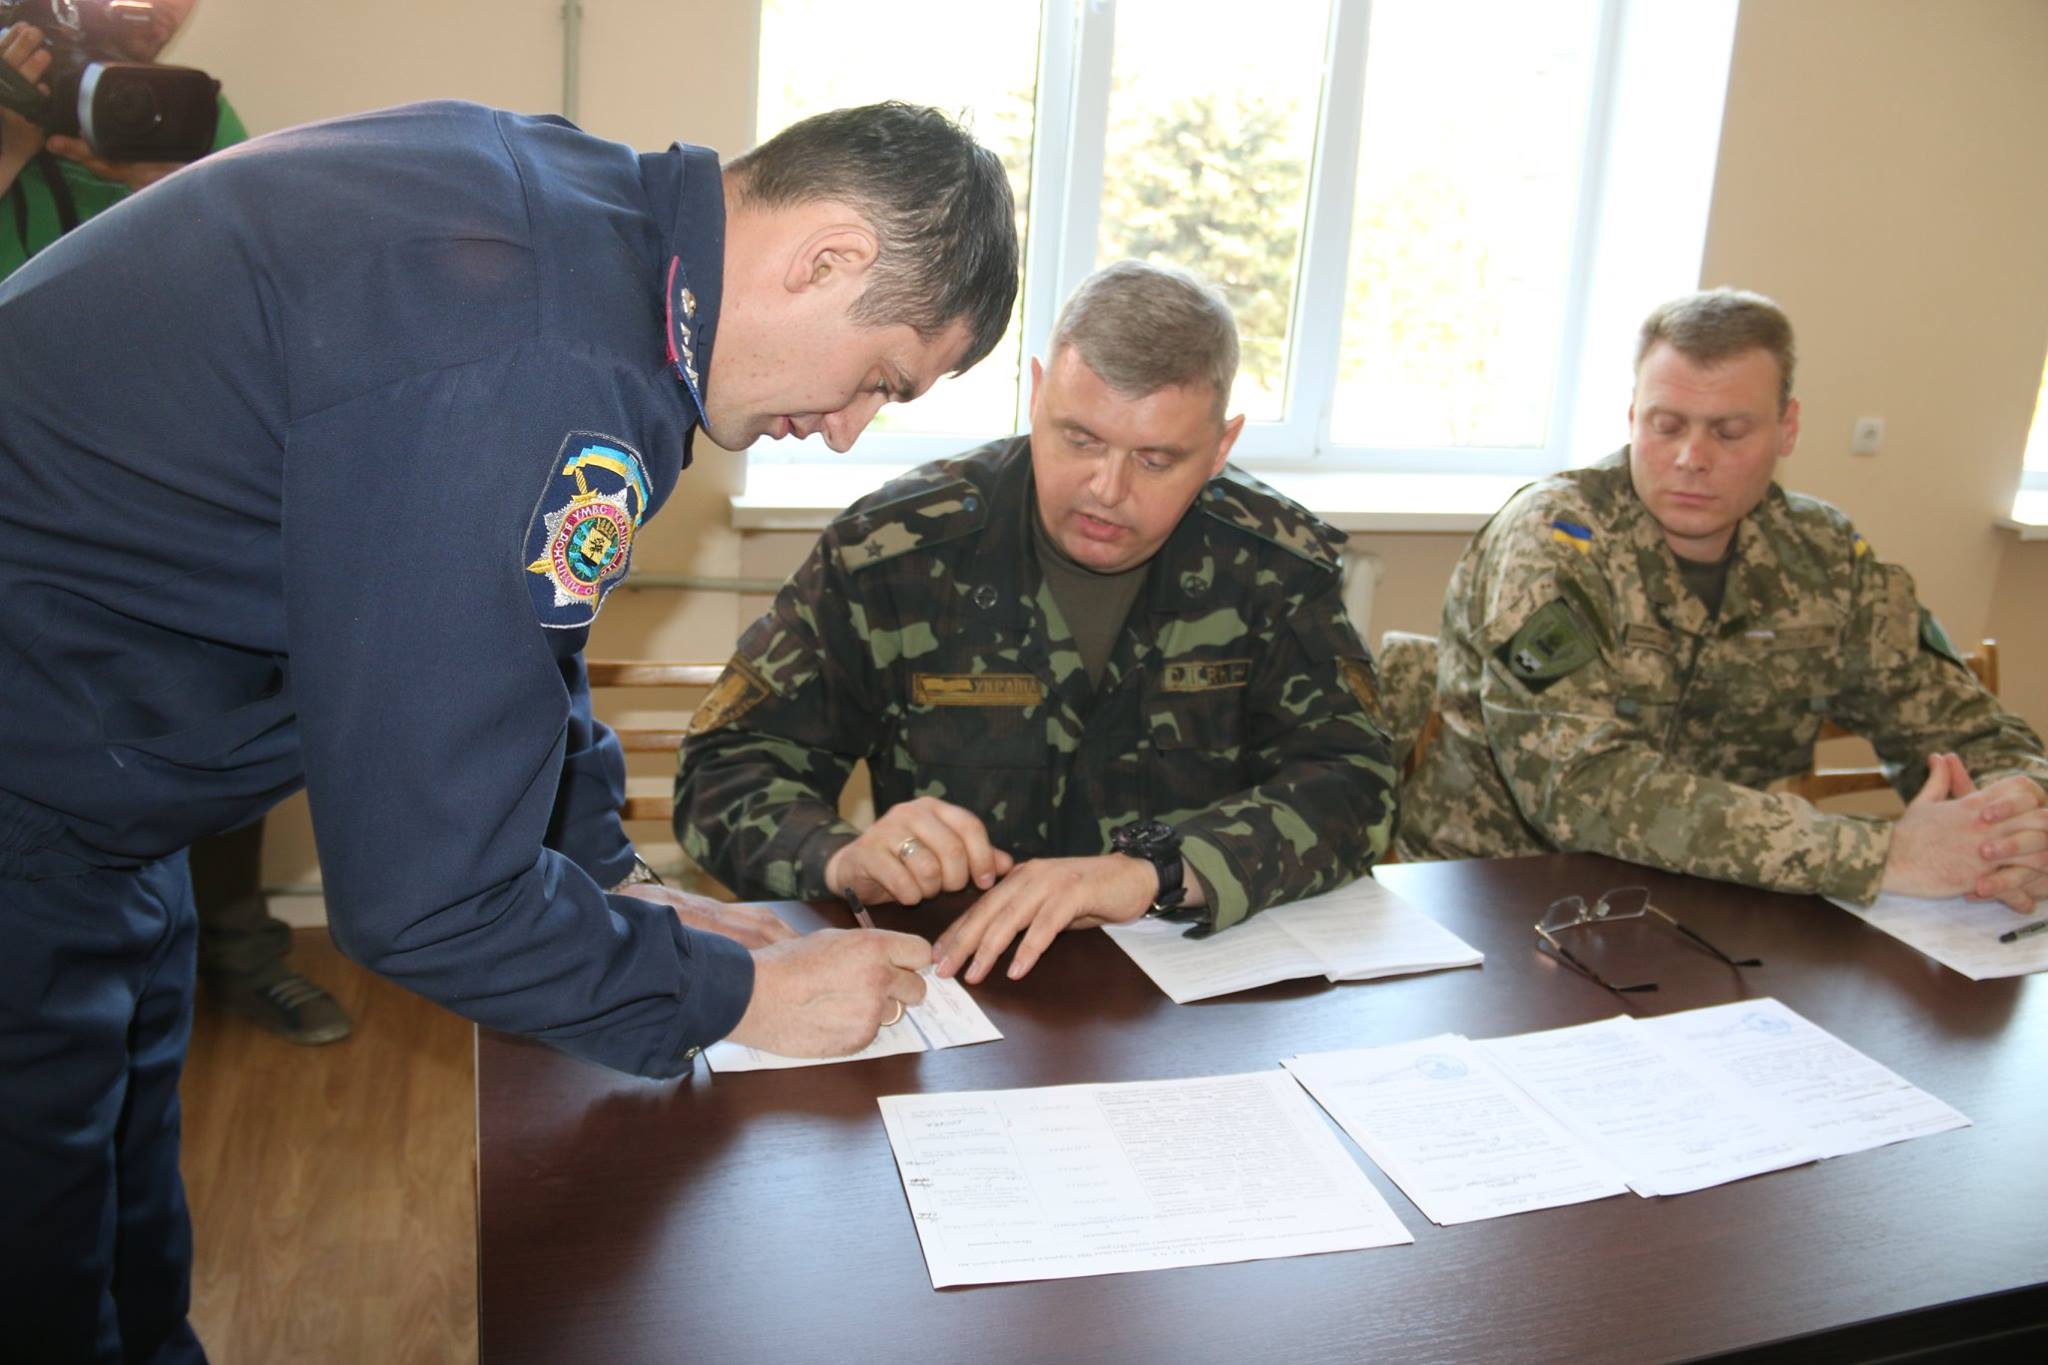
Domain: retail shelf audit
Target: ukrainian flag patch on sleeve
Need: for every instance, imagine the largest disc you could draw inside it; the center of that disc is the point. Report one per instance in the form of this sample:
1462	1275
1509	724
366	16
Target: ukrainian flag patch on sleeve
1571	533
579	541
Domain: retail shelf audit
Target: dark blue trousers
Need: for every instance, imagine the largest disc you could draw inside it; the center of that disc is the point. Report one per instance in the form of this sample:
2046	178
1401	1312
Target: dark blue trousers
96	973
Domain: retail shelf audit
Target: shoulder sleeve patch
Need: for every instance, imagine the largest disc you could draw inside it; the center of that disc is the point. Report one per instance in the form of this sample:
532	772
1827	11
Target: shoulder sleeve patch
1552	644
926	516
736	692
579	541
1933	637
1237	499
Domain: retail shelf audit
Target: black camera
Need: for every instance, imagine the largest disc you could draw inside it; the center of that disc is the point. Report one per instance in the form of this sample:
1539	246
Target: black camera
126	110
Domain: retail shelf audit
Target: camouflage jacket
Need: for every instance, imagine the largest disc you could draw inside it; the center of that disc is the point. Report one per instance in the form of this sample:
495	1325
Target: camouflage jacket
1589	702
1238	702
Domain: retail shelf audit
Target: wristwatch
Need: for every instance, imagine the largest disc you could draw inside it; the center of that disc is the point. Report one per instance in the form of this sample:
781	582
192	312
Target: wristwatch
1158	843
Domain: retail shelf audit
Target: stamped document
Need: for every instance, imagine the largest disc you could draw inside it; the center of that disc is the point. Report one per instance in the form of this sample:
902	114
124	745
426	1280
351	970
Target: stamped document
947	1018
1840	1099
1351	934
1958	933
1072	1180
1459	1138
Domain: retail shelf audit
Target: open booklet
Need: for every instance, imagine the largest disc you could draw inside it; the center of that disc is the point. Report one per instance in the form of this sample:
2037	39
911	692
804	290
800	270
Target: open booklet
1959	933
947	1018
1351	934
1473	1130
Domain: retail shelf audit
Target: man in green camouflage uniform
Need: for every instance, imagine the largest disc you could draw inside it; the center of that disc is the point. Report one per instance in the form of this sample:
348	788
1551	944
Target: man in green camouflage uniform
1045	640
1631	653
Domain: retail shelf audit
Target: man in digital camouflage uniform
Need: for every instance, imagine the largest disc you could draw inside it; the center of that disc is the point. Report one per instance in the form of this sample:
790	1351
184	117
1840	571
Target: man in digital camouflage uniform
1632	652
1046	645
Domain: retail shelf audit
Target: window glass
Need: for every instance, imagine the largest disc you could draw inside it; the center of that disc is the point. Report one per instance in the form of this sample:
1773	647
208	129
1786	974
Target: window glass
922	51
1210	137
1467	199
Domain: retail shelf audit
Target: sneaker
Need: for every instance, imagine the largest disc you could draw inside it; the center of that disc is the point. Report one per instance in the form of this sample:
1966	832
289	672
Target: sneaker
289	1006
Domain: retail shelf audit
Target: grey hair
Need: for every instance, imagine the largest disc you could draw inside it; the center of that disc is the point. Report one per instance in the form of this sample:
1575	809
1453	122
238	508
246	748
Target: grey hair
1144	327
1718	324
939	204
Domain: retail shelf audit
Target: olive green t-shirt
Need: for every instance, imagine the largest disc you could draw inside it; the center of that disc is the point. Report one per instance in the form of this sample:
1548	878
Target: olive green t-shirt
1095	604
1708	579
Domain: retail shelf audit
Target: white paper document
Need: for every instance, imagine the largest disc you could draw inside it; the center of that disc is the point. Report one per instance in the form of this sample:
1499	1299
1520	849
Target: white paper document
947	1018
1459	1138
1670	1122
1355	932
1841	1100
1958	933
1074	1180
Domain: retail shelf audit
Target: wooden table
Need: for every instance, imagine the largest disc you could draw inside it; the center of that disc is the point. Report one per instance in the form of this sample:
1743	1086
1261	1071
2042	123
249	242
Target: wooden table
758	1216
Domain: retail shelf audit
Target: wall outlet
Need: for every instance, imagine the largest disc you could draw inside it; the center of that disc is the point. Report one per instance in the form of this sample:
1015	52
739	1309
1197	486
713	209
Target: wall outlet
1868	437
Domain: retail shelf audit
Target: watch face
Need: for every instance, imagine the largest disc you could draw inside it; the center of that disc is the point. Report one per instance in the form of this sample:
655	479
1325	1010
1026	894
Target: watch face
1145	837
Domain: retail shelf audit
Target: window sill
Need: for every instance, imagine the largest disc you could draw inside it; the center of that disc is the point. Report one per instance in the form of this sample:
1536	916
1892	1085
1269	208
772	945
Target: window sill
793	497
2029	519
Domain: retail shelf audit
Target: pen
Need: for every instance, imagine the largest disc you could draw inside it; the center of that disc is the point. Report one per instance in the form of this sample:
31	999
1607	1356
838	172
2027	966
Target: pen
2024	931
867	921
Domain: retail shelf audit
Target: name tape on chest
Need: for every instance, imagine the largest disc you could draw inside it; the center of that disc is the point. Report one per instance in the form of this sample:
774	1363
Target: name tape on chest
579	541
976	689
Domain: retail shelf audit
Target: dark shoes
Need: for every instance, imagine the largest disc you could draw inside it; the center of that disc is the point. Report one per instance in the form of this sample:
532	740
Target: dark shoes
287	1005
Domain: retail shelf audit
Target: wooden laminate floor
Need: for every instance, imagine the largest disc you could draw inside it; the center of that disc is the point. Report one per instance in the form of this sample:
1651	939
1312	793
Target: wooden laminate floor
333	1188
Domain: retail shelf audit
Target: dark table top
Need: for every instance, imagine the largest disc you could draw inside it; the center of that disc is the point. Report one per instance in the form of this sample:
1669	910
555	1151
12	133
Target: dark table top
758	1216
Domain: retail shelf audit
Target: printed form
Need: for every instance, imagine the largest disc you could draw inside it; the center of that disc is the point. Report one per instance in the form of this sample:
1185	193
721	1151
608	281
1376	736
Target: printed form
1960	934
1064	1181
1455	1134
947	1018
1354	933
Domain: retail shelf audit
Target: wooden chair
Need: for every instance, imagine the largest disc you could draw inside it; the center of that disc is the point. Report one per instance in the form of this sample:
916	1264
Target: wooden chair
657	731
1823	782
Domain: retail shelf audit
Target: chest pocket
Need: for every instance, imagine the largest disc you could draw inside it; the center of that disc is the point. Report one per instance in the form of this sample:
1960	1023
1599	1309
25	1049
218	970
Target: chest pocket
976	721
1760	697
1194	716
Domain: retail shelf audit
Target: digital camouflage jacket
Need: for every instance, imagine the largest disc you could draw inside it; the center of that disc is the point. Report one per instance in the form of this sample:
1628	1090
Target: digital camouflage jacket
1238	703
1589	702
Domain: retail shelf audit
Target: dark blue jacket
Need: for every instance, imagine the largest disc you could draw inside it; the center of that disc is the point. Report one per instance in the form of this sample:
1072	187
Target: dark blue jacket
315	460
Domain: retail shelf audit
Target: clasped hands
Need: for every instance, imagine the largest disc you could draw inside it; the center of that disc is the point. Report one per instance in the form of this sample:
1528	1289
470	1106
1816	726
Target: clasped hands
925	847
1955	840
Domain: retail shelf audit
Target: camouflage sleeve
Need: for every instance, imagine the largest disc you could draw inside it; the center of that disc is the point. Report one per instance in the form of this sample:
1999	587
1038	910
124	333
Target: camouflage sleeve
1585	766
1910	693
1321	808
758	779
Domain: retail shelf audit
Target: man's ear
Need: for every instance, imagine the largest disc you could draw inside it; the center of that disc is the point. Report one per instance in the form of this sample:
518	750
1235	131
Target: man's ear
1230	433
1790	425
834	255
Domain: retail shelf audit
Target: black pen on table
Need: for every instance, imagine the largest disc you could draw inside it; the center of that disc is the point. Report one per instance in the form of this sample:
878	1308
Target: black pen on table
860	912
2024	931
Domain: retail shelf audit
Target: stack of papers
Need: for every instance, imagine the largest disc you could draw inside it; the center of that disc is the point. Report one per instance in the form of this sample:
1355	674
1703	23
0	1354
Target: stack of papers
947	1018
1958	933
1351	934
1071	1180
1661	1106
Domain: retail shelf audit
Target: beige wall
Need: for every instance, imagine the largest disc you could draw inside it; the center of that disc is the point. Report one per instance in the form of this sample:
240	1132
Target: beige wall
1882	174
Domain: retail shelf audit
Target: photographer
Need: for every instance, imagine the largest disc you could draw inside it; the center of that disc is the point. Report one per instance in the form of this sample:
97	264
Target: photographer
49	183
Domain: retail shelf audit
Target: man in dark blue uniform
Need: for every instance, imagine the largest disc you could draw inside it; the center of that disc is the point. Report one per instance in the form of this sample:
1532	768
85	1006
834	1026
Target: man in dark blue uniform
316	463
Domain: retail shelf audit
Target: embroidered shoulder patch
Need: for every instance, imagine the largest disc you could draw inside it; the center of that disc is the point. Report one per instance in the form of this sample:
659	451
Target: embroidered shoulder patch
1933	637
1552	644
1573	534
736	692
579	541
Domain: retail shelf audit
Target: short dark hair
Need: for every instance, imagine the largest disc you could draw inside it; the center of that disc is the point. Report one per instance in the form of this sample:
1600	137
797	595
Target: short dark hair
1719	324
1143	327
938	201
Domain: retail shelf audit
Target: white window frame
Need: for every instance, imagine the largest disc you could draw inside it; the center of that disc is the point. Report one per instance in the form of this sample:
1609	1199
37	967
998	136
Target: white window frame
1602	303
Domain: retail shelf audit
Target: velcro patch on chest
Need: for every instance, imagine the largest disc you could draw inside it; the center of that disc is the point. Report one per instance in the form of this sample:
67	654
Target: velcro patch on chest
1552	644
736	692
1637	635
976	689
579	541
1209	676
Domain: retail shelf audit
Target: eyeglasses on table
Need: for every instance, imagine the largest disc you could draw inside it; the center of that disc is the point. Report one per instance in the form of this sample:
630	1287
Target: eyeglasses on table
1618	904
